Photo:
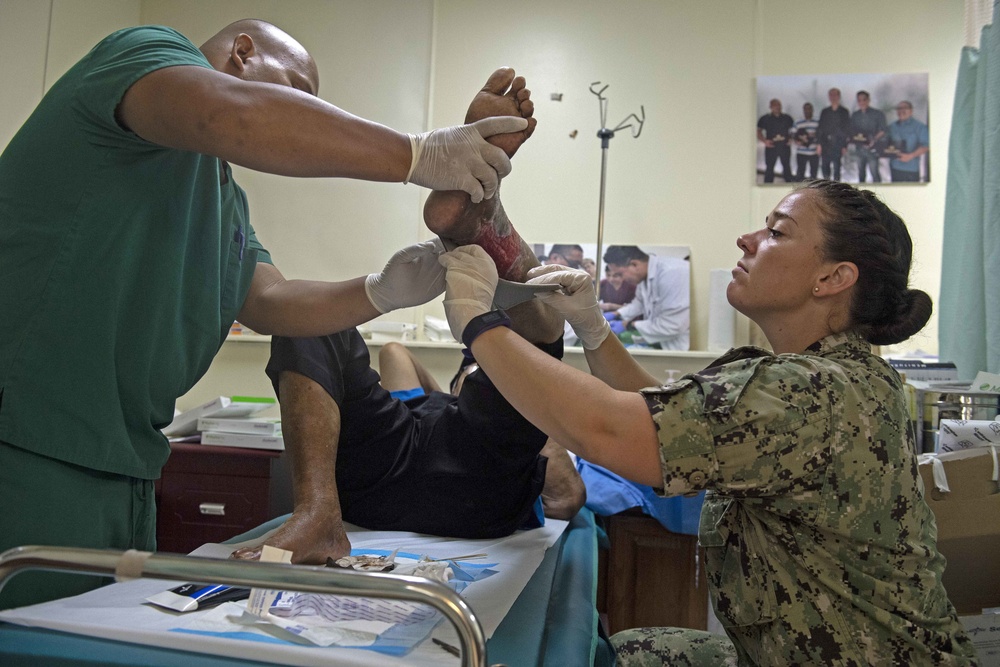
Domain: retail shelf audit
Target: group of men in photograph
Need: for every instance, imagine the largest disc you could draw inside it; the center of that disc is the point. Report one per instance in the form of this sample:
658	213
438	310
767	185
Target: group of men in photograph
821	145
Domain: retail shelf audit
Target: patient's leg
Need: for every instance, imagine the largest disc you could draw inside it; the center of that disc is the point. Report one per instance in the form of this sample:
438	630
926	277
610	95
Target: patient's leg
453	216
564	492
401	371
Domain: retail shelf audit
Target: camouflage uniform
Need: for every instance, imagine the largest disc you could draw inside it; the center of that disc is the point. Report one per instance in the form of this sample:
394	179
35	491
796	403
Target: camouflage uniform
820	549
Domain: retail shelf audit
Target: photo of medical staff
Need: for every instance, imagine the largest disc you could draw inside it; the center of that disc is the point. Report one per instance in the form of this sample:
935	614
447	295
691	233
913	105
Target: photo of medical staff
644	291
854	128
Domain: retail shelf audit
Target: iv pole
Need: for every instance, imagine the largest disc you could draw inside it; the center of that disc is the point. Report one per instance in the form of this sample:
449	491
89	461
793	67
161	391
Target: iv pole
605	136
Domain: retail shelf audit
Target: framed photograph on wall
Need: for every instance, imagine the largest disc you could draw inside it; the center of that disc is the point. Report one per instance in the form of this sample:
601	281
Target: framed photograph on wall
856	128
644	290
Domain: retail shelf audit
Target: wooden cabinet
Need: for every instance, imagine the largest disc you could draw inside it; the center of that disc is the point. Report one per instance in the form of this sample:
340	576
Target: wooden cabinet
650	576
210	494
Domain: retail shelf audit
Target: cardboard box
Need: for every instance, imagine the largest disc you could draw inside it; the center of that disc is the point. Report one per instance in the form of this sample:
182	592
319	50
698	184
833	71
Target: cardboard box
968	521
984	631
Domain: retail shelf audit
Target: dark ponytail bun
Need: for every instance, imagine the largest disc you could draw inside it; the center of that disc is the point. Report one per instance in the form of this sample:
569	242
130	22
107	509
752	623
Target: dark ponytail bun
861	229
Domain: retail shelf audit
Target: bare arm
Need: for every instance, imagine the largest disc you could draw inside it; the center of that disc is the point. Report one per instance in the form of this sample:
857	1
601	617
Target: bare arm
608	427
613	364
262	126
310	422
283	307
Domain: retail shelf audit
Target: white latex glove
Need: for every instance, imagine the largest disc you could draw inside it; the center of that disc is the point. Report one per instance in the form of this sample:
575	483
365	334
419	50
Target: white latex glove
413	276
576	301
459	158
471	280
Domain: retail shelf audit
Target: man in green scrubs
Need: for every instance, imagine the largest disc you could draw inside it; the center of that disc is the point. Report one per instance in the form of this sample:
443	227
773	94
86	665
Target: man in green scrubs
120	221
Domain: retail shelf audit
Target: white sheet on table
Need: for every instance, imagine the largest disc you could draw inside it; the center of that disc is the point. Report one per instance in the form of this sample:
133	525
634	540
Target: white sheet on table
117	612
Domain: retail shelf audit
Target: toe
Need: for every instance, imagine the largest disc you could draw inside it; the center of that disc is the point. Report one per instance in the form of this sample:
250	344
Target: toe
516	86
531	127
527	108
500	80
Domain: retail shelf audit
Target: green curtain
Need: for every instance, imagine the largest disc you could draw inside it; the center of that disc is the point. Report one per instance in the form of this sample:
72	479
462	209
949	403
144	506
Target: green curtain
969	306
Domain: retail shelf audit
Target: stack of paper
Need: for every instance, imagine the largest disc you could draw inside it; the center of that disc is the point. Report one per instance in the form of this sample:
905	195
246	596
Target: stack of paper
227	422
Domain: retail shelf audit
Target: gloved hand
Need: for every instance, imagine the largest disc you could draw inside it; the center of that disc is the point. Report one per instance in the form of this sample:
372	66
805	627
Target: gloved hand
471	280
459	158
576	301
413	276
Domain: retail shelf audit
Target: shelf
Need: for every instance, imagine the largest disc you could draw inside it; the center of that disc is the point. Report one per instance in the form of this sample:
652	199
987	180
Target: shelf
248	338
448	345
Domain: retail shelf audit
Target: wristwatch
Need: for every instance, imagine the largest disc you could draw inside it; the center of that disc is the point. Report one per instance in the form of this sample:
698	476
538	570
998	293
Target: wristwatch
485	322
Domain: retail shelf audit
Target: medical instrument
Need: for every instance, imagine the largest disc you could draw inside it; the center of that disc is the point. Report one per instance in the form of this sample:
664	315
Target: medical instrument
605	136
446	646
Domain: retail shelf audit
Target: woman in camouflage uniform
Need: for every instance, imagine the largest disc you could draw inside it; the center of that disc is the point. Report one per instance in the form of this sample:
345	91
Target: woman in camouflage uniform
820	549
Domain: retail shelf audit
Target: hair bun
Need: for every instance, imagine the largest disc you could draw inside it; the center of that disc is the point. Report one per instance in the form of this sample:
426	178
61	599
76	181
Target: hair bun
913	311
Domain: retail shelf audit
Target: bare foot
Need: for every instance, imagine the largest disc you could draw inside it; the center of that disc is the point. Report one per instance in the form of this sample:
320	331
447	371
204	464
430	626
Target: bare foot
504	95
453	216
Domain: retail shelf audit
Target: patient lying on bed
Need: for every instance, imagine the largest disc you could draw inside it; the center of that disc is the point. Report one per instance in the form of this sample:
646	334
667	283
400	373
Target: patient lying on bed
462	464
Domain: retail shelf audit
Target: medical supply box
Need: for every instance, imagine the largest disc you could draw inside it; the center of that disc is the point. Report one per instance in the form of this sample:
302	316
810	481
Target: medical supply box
968	522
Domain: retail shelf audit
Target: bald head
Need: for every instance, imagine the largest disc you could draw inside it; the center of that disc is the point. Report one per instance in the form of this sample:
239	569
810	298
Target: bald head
255	50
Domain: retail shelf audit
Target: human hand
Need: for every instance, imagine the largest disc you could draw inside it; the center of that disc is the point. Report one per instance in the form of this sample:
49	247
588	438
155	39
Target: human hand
576	301
312	535
471	280
413	276
459	158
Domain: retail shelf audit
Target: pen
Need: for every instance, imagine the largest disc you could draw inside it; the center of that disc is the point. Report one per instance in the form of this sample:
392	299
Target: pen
447	647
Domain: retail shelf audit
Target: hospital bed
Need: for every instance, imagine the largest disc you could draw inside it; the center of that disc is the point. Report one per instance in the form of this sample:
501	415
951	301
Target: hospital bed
552	622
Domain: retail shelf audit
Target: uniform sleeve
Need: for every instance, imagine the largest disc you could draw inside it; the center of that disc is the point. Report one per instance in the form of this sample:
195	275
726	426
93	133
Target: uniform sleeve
754	427
114	65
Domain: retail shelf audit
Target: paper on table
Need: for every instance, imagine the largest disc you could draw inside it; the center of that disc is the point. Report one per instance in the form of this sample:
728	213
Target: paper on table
117	611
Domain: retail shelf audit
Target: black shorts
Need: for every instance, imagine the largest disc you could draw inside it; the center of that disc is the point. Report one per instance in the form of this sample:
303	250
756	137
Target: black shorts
465	466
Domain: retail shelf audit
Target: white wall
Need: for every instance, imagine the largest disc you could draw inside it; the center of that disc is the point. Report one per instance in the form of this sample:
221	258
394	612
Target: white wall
688	179
41	40
896	36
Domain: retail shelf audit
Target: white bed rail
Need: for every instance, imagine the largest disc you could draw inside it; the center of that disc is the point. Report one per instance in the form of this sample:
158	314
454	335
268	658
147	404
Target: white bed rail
133	564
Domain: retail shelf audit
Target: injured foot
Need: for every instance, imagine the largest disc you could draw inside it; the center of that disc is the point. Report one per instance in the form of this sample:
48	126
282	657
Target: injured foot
453	216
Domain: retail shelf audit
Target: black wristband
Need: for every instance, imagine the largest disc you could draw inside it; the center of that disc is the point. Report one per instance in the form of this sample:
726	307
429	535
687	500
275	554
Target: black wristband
485	322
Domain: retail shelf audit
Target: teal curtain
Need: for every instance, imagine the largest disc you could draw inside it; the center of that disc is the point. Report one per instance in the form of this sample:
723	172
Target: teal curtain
969	306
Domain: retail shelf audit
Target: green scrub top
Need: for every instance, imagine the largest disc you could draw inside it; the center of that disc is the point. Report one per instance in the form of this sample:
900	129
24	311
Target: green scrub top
122	266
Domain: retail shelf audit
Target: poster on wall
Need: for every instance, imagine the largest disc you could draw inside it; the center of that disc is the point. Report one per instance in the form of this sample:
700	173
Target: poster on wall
644	290
856	128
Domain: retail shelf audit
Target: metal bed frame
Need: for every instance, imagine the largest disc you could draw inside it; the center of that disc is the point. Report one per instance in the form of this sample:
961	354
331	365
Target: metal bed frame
132	564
